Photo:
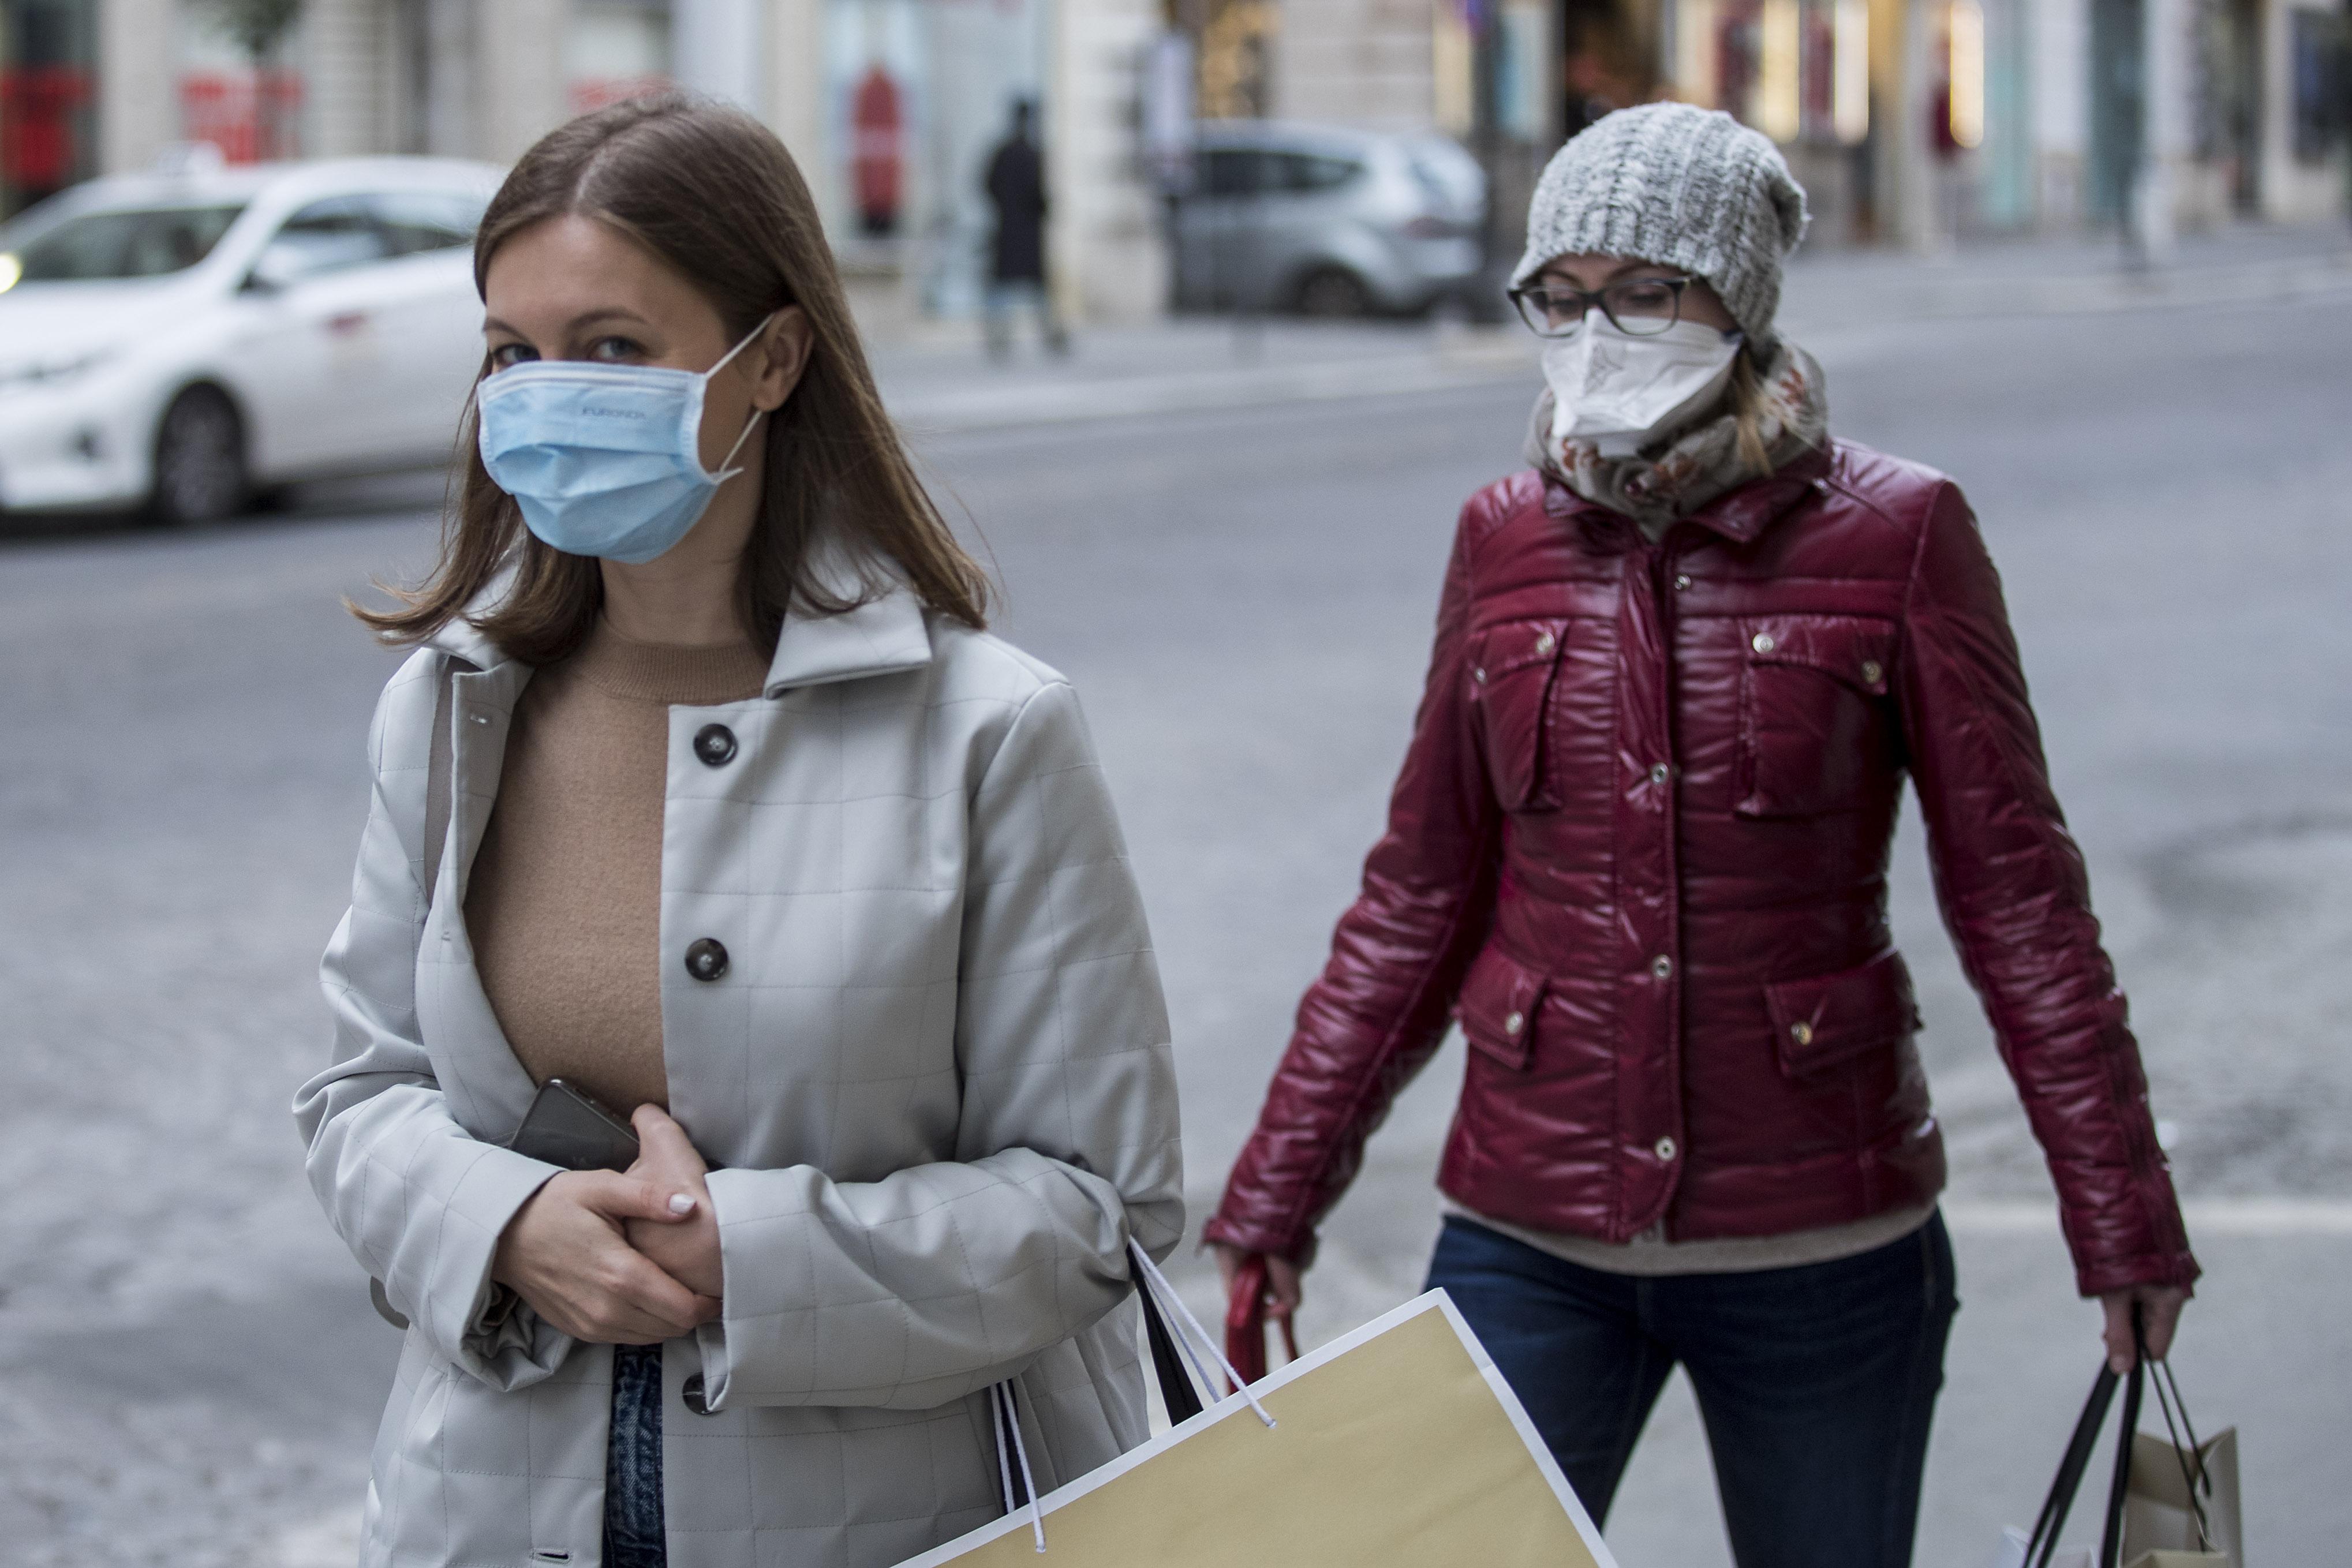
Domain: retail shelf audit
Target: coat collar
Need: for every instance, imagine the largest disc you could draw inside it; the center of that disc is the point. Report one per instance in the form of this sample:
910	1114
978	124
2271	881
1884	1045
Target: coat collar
883	635
461	640
1738	514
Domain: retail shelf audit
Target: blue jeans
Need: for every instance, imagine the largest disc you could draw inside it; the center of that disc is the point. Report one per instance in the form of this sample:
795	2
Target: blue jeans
1816	1383
634	1534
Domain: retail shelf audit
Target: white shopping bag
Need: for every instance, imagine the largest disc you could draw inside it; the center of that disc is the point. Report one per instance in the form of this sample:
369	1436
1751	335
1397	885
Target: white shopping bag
2011	1554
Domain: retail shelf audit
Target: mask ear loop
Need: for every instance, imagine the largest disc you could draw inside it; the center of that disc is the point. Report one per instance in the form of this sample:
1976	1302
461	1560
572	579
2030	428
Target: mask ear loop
725	473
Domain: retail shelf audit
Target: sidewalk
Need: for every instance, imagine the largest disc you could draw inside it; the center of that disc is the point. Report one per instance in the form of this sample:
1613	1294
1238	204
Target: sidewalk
940	382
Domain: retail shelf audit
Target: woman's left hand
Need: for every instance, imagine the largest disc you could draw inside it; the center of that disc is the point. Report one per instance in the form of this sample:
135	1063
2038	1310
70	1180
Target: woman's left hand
2160	1312
687	1252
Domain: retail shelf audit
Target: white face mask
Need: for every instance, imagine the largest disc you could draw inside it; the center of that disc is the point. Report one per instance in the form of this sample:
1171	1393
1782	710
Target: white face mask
1621	392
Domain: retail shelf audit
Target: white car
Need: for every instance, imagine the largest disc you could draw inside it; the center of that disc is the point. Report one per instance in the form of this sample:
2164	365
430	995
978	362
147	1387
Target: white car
185	340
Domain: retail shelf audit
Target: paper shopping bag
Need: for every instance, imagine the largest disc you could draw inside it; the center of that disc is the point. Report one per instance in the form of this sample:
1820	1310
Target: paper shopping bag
1398	1445
2015	1543
2159	1517
2172	1504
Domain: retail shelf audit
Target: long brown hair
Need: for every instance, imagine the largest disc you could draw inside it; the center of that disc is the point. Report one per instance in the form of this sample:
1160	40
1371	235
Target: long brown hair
712	192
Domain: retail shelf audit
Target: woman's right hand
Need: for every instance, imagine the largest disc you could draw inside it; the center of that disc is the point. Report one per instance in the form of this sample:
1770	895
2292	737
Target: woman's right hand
565	1253
1282	1286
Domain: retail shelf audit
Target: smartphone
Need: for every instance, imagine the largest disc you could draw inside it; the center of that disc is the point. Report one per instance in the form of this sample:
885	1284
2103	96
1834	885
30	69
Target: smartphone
565	1126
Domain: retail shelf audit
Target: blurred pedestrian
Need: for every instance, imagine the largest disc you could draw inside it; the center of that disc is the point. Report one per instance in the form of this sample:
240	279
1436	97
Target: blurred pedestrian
1682	665
1016	254
754	835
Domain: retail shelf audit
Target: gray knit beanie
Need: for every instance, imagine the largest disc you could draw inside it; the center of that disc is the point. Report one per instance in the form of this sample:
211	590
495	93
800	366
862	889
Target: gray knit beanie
1681	186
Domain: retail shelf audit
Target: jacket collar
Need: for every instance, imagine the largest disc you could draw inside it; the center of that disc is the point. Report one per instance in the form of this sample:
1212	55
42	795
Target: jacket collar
884	634
1738	514
462	641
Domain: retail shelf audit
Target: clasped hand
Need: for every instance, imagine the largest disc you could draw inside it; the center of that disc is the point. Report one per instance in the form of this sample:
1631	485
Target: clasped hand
625	1258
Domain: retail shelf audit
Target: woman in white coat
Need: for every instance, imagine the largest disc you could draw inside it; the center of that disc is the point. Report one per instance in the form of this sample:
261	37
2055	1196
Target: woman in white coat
706	791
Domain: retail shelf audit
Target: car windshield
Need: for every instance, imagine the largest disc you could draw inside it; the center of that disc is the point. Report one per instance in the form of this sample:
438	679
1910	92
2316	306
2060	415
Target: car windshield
145	241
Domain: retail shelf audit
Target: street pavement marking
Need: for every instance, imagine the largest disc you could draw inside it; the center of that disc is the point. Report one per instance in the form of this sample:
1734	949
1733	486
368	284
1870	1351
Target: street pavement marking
2257	1216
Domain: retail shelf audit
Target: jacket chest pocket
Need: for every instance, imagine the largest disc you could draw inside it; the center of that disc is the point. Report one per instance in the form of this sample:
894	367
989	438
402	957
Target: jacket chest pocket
1514	669
1814	722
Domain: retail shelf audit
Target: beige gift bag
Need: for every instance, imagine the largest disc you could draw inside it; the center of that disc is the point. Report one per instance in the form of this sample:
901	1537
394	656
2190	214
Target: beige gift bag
2181	1502
2159	1518
1397	1445
2173	1504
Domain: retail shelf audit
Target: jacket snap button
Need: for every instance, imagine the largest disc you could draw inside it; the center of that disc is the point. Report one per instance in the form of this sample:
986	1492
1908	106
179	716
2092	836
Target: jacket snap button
1515	1023
1763	643
1660	966
1802	1033
689	1394
1545	643
715	744
1666	1148
1682	582
706	960
1872	671
1660	773
1479	676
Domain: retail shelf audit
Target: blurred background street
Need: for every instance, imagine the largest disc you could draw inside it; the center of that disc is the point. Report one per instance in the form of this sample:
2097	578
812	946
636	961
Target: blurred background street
1240	575
2088	256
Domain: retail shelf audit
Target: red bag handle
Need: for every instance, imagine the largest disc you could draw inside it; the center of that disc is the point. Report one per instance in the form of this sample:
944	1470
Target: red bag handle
1245	1321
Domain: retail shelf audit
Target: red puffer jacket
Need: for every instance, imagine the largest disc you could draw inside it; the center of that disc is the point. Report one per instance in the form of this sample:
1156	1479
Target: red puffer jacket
1639	847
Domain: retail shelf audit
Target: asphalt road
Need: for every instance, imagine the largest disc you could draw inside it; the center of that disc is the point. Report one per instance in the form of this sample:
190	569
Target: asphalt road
189	1372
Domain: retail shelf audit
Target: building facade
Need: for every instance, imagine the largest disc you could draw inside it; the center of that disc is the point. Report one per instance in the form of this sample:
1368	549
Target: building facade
1912	122
891	106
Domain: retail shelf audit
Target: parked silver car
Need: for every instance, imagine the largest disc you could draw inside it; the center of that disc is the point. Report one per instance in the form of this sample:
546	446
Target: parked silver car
1327	221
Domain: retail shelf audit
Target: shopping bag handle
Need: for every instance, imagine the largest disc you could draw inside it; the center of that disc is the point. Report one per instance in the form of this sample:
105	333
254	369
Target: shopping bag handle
2052	1521
1177	1325
1176	1389
1245	1321
2190	1455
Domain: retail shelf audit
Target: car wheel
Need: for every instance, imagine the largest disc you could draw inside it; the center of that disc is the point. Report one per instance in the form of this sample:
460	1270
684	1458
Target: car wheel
1332	292
200	472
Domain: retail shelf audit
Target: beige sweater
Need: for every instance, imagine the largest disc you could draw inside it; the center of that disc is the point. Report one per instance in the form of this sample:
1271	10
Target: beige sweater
564	905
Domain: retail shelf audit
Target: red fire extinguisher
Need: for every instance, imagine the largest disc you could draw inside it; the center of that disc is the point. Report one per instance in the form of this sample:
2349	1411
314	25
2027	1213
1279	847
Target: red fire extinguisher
876	166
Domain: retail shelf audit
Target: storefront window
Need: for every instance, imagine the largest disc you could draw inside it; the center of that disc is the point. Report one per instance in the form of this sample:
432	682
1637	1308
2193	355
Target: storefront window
918	97
615	49
2315	44
249	107
49	133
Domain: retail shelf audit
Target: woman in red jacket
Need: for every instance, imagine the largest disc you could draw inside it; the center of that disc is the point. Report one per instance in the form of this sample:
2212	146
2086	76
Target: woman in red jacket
1639	846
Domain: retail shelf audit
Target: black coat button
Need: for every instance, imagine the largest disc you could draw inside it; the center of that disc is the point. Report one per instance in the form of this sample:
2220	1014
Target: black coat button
715	744
706	960
691	1395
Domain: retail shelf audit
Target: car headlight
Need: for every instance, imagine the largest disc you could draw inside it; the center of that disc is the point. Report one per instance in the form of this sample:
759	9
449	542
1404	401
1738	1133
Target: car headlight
53	370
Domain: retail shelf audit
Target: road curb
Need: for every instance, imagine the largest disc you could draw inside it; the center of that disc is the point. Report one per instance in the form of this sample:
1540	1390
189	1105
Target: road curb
1486	358
994	408
2232	1217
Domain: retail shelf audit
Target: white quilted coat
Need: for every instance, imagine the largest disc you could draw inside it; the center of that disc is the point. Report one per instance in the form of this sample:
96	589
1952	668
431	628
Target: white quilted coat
935	1079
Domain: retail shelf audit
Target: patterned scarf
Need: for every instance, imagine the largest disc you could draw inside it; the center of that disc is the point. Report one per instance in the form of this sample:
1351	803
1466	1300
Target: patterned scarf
1692	468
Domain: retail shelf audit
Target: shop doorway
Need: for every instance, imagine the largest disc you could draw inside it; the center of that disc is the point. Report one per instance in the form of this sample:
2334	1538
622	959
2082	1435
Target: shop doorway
2118	111
2232	133
1606	61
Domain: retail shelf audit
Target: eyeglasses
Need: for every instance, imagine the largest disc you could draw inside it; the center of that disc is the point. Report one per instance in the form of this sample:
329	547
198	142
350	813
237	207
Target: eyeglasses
1642	307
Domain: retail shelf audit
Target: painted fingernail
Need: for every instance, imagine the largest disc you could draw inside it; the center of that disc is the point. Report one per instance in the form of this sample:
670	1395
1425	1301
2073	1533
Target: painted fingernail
681	1203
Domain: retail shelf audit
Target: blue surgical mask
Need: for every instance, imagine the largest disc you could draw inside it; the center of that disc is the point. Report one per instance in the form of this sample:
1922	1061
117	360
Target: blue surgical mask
604	460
